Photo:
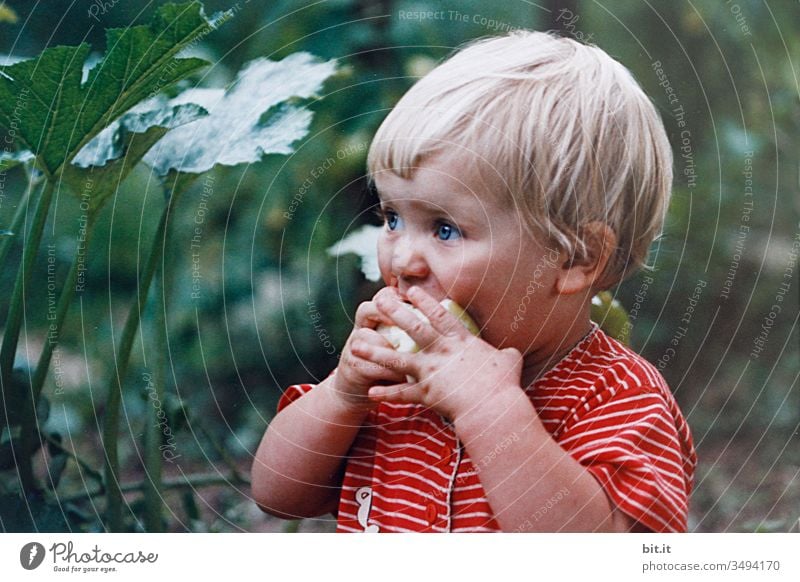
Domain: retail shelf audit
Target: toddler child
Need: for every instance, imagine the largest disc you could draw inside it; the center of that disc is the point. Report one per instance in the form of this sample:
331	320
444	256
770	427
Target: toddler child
518	178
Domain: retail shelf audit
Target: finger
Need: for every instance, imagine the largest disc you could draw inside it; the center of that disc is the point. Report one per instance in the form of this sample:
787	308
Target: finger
420	330
386	357
514	353
373	337
440	318
388	291
373	372
405	393
368	316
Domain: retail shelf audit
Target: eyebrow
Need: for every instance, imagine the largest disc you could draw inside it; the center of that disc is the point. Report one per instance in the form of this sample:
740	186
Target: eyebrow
424	204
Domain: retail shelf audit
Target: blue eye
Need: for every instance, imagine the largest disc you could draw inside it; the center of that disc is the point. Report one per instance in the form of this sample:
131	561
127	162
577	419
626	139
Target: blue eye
446	231
392	220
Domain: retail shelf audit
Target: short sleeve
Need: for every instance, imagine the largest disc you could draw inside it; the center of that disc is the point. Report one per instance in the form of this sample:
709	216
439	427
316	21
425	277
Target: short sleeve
632	442
292	393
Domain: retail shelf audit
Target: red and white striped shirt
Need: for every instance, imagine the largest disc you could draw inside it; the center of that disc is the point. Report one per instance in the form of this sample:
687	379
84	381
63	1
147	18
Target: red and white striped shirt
604	404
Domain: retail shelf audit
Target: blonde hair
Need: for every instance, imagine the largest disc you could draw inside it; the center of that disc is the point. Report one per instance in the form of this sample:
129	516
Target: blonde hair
567	128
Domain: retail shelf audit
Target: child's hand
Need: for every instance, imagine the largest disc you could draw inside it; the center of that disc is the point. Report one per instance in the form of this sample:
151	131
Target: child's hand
455	370
355	375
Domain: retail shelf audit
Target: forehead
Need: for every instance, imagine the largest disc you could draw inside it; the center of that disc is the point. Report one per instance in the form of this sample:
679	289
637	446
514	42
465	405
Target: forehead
455	183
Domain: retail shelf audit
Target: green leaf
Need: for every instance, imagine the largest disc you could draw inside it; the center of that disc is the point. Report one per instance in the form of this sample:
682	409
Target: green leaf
46	108
255	116
612	318
110	143
106	161
10	159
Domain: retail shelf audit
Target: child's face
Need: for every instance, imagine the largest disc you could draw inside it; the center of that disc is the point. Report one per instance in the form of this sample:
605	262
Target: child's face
446	233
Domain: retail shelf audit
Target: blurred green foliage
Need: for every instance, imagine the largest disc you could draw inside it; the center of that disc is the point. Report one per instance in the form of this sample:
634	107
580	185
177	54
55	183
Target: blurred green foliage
725	80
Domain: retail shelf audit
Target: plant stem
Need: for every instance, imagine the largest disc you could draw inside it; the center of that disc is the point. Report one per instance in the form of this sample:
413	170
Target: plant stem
114	391
29	429
64	301
15	309
14	323
180	183
16	222
152	459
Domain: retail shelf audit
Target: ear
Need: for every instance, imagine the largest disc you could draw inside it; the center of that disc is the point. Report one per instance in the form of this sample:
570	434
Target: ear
579	274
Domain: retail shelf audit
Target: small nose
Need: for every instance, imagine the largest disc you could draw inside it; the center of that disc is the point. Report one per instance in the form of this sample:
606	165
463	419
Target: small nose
408	259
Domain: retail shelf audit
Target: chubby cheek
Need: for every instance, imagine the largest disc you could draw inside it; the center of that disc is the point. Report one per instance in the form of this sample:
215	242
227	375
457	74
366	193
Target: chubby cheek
385	261
498	298
489	313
